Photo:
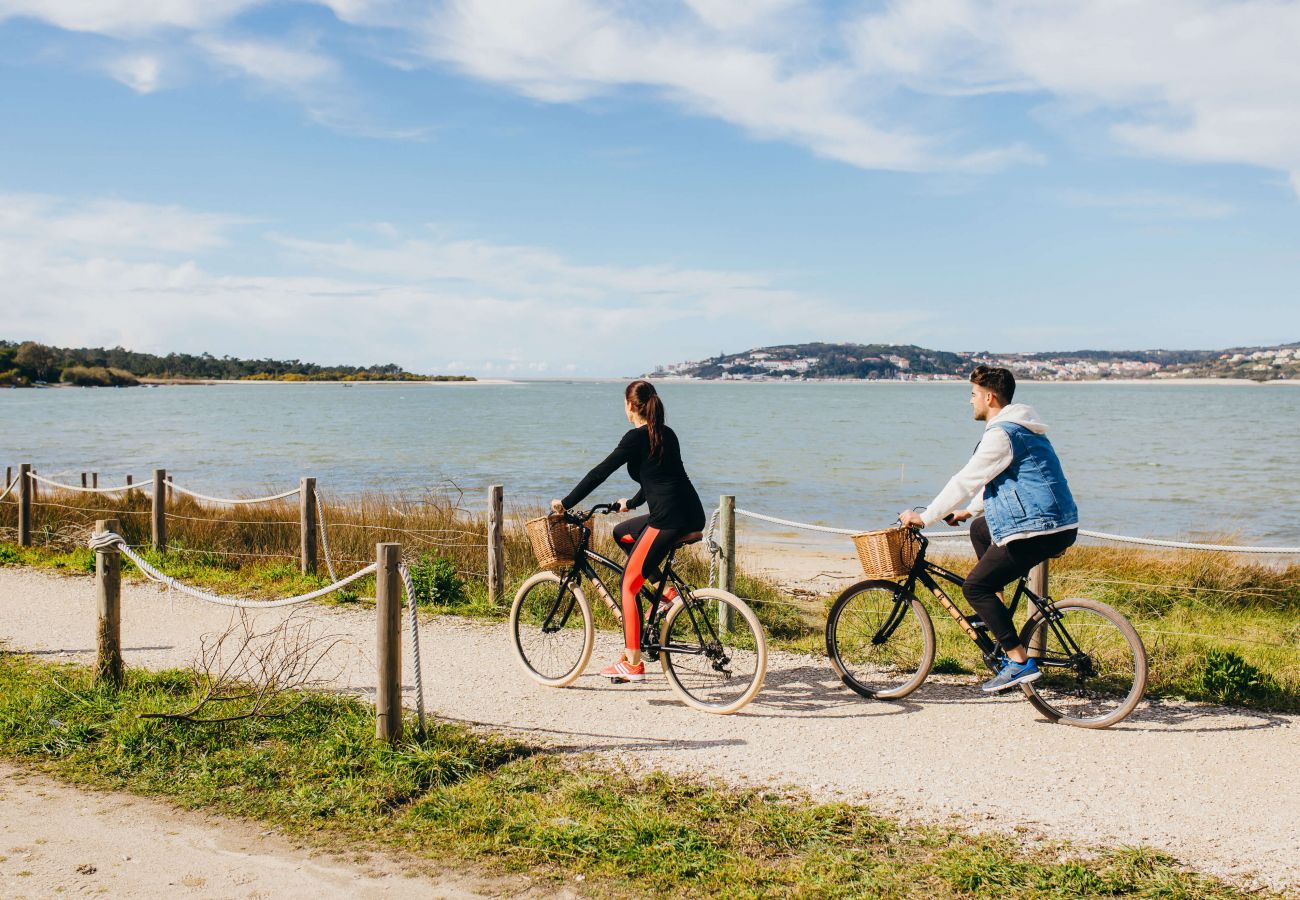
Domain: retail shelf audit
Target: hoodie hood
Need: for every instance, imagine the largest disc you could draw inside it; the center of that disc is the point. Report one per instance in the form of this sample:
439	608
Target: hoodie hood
1019	414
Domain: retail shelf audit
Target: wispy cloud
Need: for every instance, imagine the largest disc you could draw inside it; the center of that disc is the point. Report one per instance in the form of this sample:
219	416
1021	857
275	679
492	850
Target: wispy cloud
1149	204
894	87
140	72
145	275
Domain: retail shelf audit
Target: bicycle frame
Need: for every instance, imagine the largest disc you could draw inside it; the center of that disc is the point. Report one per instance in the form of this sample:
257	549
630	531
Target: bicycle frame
925	572
585	566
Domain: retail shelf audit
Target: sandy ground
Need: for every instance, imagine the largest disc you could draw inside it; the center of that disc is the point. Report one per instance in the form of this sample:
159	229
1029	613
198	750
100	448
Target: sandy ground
55	839
1217	788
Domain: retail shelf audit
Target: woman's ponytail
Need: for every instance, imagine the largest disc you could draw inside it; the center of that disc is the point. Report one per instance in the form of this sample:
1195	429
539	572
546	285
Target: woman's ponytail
646	403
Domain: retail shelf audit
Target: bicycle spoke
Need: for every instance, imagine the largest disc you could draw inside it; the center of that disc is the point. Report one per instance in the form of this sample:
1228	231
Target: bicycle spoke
550	631
724	663
879	648
1091	669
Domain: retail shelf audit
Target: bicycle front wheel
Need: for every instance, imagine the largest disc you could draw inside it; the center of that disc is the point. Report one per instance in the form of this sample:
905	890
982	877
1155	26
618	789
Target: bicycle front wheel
551	630
710	668
880	640
1093	663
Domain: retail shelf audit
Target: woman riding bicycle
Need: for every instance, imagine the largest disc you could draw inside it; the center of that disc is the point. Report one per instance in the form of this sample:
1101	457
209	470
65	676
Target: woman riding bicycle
653	457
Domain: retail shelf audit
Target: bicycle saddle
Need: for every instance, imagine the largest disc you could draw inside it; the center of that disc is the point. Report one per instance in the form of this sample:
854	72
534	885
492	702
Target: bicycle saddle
693	538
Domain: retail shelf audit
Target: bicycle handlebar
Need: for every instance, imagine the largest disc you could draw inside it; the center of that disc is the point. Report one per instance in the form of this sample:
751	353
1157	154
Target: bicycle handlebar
578	517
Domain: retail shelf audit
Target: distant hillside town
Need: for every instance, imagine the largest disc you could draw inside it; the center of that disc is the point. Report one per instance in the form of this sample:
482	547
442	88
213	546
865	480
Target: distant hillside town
895	362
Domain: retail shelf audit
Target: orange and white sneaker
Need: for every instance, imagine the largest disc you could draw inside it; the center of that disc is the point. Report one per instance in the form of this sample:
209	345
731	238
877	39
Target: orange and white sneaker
623	671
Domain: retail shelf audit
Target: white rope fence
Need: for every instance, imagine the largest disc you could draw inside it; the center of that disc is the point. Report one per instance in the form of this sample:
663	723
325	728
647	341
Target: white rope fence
110	540
8	488
1099	535
226	501
232	501
85	490
325	538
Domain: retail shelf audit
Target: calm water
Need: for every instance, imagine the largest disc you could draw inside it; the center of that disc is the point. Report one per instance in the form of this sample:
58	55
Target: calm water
1161	460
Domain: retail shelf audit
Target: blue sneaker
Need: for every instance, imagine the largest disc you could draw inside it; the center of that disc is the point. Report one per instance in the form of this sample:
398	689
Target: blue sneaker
1012	674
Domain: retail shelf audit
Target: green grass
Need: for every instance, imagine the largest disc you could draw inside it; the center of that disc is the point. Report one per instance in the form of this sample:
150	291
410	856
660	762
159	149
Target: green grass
457	795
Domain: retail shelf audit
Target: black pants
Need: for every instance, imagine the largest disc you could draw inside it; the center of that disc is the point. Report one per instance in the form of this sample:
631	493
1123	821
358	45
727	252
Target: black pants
998	566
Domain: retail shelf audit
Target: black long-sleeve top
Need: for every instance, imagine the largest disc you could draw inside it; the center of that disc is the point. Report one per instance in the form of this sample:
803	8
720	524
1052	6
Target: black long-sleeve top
663	479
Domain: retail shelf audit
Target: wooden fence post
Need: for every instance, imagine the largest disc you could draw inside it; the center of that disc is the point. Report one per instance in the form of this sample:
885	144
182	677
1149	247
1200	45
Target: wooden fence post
727	564
496	545
307	525
24	505
84	482
1037	584
388	613
1038	579
94	479
9	475
108	593
158	511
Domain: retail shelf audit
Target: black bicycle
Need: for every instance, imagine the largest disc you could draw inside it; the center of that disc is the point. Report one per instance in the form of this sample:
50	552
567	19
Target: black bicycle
709	642
1094	667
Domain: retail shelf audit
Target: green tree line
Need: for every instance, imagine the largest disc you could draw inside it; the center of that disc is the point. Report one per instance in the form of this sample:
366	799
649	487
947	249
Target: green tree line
30	362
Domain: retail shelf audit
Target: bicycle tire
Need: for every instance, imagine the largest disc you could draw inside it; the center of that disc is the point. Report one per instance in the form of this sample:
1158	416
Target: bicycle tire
691	682
881	671
570	647
1055	698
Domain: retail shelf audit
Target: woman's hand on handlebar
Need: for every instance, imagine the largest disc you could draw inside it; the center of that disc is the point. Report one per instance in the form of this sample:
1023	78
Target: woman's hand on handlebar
620	505
557	507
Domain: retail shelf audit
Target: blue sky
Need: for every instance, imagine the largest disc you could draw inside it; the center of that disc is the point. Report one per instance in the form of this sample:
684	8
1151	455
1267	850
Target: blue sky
552	187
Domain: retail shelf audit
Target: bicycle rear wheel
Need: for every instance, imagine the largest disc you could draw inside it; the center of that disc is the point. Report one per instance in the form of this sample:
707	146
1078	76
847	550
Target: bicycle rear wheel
1093	663
880	640
551	631
708	668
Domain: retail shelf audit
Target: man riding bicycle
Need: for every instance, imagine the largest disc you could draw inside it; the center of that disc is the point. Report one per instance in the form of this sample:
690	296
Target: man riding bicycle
1022	511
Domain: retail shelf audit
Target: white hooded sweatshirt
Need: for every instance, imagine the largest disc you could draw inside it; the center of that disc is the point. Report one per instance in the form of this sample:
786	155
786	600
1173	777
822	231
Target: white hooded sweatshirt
993	454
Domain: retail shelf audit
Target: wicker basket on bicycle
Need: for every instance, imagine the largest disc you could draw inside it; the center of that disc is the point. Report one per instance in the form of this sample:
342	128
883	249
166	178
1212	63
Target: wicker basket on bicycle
554	540
887	553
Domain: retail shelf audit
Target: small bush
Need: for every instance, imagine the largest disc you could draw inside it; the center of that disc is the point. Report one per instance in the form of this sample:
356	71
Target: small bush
947	665
8	555
1225	677
436	581
98	376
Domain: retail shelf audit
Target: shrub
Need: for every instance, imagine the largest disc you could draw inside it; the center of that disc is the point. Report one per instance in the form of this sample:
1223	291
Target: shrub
1225	677
947	665
98	376
436	581
8	555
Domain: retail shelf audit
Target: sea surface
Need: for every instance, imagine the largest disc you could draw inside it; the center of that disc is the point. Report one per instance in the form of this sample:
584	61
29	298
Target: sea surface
1164	460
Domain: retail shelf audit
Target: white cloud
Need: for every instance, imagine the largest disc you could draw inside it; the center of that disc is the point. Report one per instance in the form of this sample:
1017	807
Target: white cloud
111	225
142	73
111	271
569	50
274	63
1198	80
126	17
894	87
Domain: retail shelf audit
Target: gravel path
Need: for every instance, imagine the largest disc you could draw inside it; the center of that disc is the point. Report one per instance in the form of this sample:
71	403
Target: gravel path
56	839
1217	788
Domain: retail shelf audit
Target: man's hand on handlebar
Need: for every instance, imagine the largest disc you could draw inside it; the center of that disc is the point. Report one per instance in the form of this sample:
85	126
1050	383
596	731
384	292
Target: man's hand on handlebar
910	518
956	518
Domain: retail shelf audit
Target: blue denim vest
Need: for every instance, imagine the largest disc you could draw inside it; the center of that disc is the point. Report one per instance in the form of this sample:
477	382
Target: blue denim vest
1031	494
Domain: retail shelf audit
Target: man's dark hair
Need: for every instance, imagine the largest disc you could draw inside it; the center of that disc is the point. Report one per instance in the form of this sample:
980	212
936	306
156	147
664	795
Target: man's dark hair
999	381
